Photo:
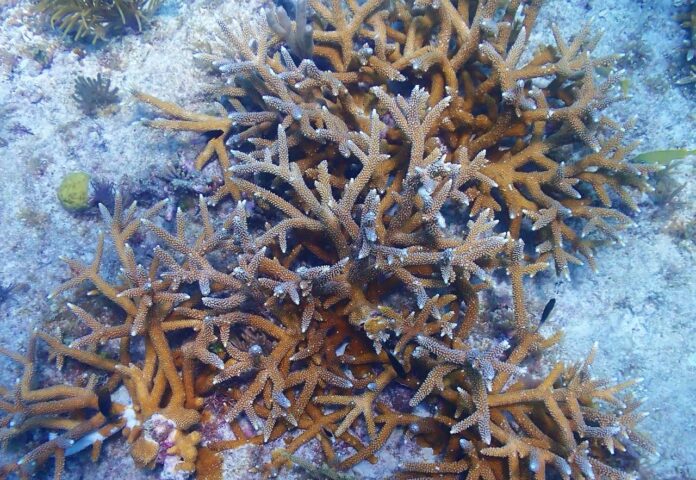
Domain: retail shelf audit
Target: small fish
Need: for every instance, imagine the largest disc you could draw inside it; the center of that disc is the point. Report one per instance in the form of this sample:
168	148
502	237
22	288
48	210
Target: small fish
104	401
547	310
328	433
396	364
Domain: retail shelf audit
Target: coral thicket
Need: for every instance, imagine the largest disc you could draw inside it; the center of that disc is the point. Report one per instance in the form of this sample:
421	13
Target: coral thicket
380	160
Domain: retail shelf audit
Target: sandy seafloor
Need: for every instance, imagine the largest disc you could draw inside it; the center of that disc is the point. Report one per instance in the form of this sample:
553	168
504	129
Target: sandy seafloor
640	305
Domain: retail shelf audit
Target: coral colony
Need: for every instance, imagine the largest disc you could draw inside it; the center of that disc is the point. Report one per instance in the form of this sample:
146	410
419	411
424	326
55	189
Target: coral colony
380	160
97	20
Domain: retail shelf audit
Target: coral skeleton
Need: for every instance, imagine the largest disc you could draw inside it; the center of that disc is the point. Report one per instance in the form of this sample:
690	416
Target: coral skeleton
380	161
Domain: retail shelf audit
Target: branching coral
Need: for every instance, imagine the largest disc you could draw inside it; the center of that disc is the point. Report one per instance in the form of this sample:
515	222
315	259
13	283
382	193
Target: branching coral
524	121
377	175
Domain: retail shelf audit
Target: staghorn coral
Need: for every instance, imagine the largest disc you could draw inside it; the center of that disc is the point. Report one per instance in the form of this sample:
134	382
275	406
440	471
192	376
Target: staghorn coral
372	183
550	165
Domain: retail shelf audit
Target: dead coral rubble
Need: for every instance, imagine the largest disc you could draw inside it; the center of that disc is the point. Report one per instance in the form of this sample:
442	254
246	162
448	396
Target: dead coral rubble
374	177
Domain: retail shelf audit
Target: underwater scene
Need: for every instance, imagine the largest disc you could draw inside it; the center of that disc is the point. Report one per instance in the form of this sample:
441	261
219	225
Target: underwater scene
348	239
